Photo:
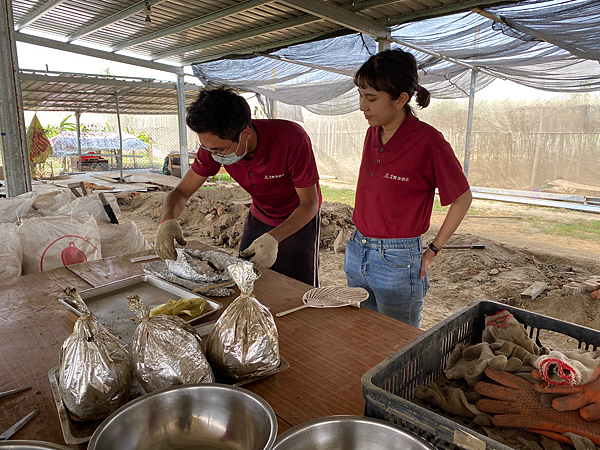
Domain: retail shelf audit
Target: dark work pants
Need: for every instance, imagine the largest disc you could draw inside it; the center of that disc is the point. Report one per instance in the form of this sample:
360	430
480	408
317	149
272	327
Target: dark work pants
298	254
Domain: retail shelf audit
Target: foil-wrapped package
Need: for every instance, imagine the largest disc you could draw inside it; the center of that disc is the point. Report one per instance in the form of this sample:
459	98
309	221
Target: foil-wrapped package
166	351
244	342
95	368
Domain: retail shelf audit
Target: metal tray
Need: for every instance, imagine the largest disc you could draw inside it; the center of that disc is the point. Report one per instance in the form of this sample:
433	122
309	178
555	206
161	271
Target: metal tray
108	303
80	432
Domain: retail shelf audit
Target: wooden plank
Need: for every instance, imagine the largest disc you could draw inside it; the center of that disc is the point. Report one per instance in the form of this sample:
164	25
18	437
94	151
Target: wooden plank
33	326
534	290
570	184
539	202
530	194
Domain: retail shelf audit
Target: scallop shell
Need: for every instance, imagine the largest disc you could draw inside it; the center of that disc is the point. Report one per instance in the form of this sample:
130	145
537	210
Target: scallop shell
335	296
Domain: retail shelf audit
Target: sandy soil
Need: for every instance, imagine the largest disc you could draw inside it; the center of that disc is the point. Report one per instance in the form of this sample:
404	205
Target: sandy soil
518	252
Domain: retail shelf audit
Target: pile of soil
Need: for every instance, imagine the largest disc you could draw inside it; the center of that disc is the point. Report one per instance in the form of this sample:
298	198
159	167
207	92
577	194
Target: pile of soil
505	268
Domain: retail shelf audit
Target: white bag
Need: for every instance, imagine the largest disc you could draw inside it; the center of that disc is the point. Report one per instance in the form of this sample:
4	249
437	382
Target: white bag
13	208
121	239
49	203
11	253
57	241
93	205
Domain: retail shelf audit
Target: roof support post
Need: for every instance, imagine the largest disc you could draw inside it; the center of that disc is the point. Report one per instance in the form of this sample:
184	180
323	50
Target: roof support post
120	140
384	44
12	120
183	145
78	125
470	122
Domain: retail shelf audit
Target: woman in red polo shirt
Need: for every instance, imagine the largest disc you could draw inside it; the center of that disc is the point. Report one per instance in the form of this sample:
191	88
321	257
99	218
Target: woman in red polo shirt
404	161
274	162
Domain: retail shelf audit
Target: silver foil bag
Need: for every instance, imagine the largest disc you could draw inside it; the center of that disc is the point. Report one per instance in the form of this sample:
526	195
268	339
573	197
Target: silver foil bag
95	368
166	351
244	342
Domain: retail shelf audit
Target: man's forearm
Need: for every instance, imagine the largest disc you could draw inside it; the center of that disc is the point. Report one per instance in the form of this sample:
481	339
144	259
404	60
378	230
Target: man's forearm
303	214
173	205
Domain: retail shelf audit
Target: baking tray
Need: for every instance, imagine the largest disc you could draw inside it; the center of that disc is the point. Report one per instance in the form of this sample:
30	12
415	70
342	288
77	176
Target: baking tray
108	303
80	432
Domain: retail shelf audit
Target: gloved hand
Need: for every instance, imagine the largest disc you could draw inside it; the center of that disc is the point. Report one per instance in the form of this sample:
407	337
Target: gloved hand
264	249
518	405
585	397
167	231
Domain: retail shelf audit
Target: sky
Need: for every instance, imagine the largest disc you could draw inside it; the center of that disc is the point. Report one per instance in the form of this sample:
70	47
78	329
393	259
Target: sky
33	57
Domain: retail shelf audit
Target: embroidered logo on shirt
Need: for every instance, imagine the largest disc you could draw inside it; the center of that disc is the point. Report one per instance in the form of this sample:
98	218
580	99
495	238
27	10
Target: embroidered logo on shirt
270	177
395	177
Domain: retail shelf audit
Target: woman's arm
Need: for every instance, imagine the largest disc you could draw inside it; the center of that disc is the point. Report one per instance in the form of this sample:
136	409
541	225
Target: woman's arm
456	214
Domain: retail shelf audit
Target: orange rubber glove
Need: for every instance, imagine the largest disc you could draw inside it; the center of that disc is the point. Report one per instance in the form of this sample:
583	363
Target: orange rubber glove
517	404
584	397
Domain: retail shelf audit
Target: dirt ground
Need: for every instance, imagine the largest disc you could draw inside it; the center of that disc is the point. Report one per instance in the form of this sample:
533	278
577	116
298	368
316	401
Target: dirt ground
518	251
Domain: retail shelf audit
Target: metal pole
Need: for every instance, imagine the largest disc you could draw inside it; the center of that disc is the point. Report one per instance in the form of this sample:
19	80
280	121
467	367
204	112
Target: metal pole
384	44
470	122
184	160
78	125
536	154
120	140
12	120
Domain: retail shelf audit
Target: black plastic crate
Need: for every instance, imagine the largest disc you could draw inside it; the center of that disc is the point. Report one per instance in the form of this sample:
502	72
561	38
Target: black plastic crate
389	386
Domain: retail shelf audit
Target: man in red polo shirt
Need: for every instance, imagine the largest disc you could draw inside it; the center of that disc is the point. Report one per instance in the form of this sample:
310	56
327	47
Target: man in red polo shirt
274	162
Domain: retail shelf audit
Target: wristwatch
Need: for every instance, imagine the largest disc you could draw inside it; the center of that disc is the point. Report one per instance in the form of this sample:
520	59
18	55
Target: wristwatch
434	248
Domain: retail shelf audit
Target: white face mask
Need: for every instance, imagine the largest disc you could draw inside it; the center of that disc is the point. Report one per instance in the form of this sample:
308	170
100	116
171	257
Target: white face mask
232	158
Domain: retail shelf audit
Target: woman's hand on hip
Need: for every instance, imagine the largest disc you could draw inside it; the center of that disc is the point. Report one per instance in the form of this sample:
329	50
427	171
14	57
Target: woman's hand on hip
426	261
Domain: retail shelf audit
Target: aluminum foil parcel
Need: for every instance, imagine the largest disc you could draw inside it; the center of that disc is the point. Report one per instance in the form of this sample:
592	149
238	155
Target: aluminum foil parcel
244	342
95	368
166	351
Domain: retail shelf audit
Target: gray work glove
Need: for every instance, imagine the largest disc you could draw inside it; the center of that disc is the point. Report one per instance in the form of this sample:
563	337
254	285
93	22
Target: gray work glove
264	249
167	231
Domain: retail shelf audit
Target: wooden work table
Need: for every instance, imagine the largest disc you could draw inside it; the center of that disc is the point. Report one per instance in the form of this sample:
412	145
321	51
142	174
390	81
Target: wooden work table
328	349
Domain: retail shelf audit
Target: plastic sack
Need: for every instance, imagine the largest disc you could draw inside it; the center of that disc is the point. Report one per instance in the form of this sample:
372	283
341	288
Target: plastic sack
57	241
166	351
244	342
93	205
11	252
121	239
13	208
48	203
95	375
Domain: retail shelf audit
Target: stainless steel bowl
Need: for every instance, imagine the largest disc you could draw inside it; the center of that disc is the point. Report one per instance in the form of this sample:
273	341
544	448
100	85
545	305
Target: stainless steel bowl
349	433
30	445
207	416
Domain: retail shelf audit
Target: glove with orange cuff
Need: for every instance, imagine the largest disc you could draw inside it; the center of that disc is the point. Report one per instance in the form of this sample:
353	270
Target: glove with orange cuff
517	404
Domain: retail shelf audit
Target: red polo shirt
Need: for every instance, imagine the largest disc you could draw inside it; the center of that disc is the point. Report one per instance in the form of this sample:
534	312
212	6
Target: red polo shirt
397	181
283	161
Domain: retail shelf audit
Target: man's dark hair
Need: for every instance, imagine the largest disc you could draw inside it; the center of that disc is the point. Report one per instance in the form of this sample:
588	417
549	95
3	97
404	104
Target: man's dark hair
220	111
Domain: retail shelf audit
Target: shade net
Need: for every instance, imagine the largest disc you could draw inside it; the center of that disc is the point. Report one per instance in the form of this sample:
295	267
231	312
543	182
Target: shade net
552	45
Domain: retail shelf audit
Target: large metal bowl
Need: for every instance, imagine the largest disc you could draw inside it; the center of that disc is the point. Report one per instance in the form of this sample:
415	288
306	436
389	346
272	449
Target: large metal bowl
30	445
349	433
206	416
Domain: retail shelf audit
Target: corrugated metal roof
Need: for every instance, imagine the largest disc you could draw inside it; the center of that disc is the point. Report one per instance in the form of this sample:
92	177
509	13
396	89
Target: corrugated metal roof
183	32
99	94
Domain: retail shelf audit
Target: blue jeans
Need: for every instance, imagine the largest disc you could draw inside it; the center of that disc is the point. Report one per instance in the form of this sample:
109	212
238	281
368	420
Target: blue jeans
390	270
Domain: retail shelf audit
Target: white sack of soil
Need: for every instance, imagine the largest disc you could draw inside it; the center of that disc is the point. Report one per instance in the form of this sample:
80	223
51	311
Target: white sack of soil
121	239
49	203
11	252
244	342
93	205
95	368
166	351
14	208
58	241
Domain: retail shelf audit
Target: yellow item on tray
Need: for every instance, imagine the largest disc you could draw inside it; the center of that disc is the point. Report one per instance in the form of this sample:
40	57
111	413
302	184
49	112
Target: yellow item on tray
190	306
